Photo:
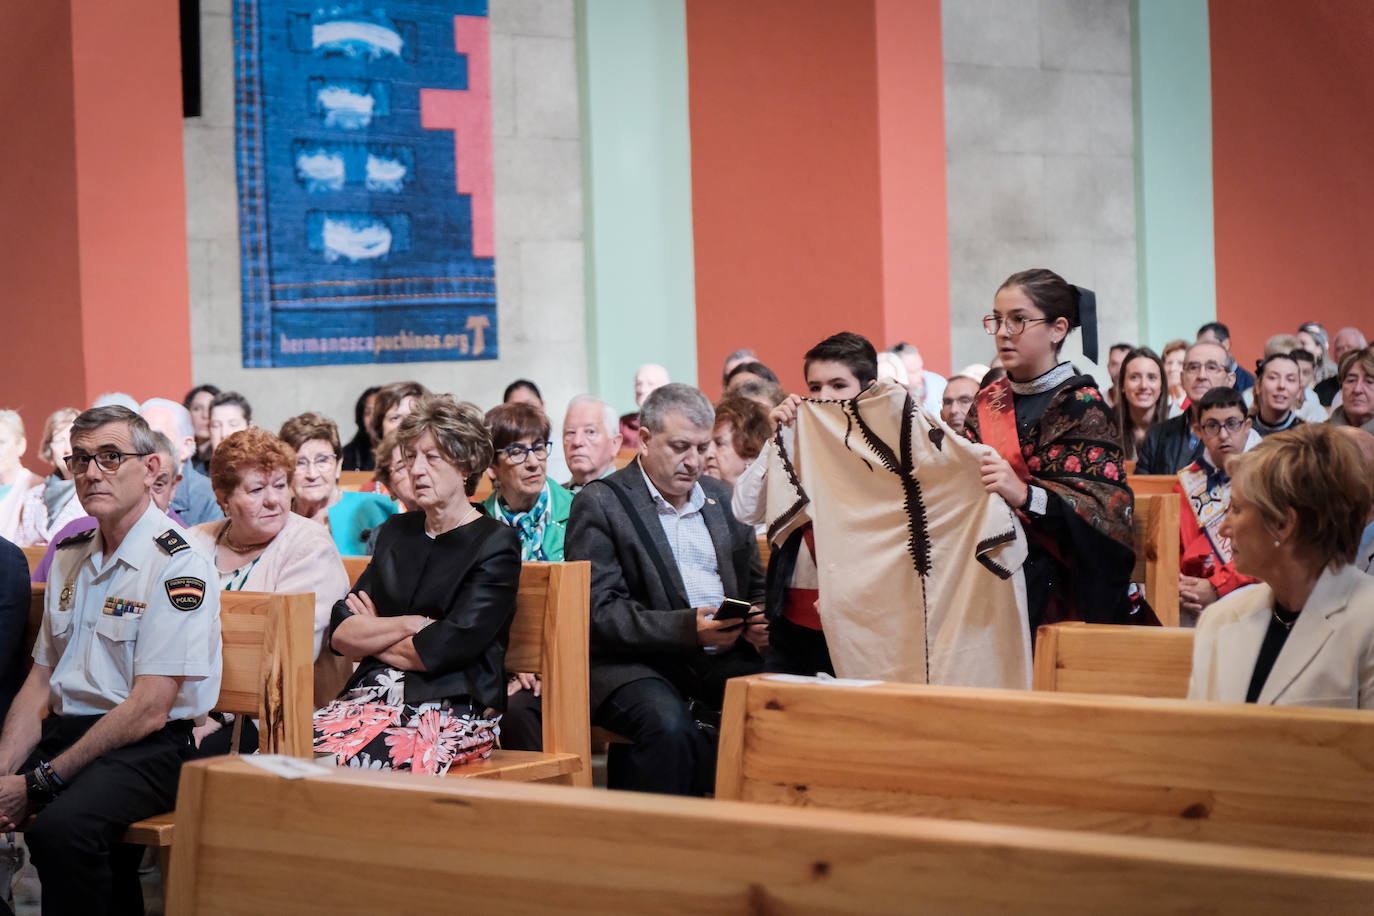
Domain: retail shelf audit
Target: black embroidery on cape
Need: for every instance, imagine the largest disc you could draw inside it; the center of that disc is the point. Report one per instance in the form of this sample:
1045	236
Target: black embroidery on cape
785	519
918	540
981	553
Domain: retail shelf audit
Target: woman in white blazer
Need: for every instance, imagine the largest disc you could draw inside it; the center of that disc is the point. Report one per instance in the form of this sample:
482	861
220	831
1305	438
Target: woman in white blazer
1304	636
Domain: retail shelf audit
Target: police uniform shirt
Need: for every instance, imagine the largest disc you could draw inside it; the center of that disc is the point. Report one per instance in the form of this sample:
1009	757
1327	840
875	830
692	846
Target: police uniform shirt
152	607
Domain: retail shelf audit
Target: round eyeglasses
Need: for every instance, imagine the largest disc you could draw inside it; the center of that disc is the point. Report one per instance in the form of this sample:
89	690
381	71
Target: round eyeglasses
516	454
1015	323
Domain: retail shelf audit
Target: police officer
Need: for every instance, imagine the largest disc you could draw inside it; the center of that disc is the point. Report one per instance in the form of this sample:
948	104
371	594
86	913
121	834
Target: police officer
128	657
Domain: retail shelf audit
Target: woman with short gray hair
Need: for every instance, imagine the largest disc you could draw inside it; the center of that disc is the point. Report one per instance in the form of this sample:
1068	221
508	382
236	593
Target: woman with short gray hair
429	619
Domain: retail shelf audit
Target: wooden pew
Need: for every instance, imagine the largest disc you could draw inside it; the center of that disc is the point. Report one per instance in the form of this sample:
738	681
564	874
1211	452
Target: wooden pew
1281	777
354	480
1156	554
1125	661
548	637
1151	484
625	456
34	555
268	644
37	593
352	842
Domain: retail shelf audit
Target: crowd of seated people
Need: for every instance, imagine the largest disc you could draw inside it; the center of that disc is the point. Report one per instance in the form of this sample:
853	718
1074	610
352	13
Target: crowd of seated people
419	640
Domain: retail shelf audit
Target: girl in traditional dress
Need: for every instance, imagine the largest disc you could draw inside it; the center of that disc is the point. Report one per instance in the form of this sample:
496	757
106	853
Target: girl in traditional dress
1056	455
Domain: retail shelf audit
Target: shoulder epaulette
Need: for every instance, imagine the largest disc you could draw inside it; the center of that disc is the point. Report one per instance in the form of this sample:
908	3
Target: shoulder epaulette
78	538
172	542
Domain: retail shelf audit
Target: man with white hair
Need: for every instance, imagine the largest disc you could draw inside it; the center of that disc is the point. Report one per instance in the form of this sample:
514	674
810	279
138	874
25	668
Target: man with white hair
925	386
647	378
1329	388
194	501
591	439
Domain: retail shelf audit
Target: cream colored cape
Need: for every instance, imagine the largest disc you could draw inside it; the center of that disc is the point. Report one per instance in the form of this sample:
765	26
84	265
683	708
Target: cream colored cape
920	568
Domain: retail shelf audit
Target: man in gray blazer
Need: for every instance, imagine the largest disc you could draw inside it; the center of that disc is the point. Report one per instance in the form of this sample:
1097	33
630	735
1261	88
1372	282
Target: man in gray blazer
665	550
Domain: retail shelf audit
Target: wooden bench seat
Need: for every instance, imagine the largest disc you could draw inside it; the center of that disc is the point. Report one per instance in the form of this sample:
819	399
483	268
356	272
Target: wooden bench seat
1125	661
346	841
1282	777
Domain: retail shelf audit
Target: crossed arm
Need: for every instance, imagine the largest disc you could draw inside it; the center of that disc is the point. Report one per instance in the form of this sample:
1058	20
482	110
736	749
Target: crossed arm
390	639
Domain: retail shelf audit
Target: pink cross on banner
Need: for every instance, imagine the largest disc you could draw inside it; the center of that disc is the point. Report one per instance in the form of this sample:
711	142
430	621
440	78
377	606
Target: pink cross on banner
467	112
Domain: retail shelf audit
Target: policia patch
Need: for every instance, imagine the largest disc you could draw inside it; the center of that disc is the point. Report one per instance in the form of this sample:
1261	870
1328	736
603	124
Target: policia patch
185	592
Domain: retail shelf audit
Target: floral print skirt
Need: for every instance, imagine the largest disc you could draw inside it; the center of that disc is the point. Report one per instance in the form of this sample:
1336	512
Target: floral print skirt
373	728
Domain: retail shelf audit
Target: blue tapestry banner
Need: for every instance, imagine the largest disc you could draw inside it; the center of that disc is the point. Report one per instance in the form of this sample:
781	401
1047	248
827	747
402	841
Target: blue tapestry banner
363	141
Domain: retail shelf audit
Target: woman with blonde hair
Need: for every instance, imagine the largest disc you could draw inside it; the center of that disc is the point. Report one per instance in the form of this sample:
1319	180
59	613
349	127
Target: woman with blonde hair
16	481
53	506
1304	636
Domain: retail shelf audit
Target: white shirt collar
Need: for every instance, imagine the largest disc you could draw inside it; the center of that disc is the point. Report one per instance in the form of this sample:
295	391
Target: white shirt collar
695	500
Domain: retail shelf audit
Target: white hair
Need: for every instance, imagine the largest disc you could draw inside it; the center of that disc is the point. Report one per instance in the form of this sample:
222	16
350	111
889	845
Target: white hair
12	419
609	417
890	365
185	428
115	399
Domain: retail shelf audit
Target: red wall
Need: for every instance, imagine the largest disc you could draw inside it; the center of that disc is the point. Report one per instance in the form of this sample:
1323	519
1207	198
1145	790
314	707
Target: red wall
39	268
911	106
1293	154
813	154
93	240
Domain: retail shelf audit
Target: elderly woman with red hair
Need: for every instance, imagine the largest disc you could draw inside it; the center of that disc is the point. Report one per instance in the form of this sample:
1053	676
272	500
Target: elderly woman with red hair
262	546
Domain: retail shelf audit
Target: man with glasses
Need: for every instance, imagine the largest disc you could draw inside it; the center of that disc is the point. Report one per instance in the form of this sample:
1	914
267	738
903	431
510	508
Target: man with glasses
1218	333
1172	445
166	485
1206	571
127	659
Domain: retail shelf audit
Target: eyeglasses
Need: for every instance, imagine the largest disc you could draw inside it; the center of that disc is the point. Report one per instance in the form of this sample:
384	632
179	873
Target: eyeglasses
321	462
1232	426
1210	366
1015	323
108	460
516	454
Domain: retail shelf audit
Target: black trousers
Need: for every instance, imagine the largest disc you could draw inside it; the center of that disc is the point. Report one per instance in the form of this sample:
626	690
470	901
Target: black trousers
522	725
794	649
75	841
669	753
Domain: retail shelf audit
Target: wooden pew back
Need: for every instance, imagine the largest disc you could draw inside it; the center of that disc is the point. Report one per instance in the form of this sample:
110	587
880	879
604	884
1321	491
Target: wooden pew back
269	666
354	480
549	637
1280	777
1125	661
1156	554
34	555
38	592
1151	484
535	850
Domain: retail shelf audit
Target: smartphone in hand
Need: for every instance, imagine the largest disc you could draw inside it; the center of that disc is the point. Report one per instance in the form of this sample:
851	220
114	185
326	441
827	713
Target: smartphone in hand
733	609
